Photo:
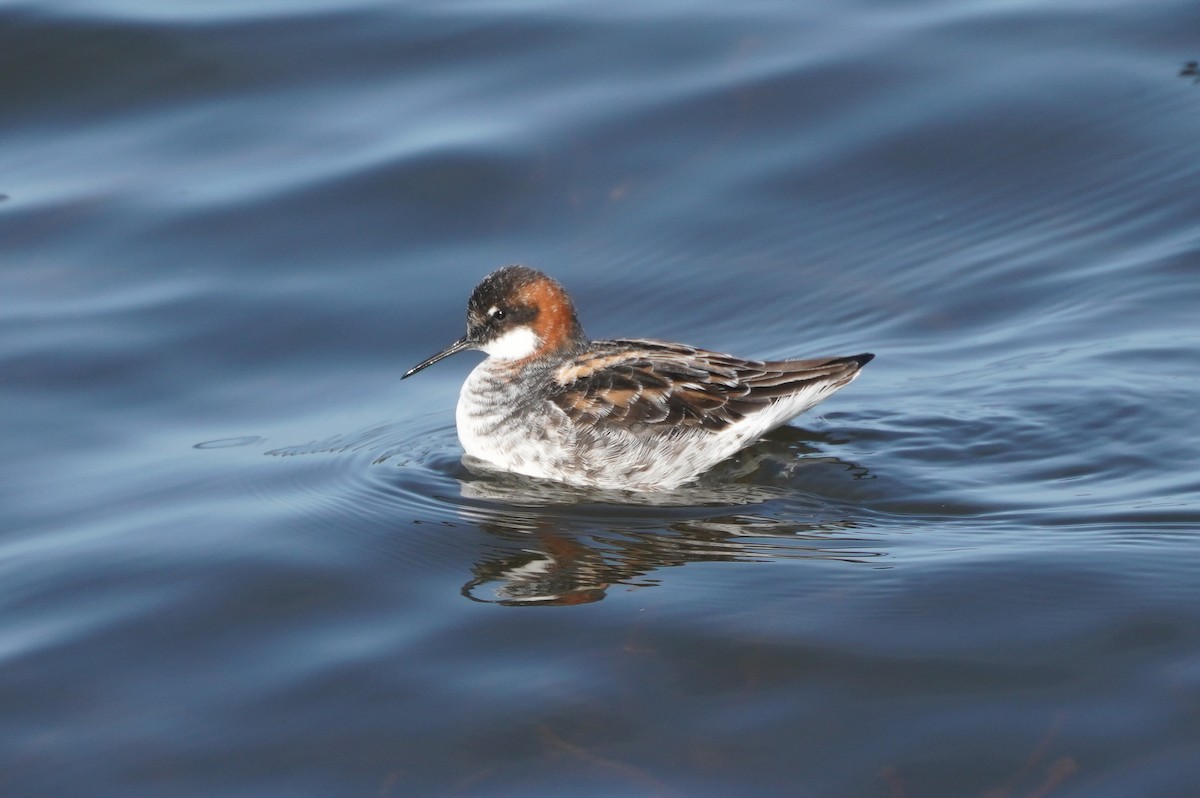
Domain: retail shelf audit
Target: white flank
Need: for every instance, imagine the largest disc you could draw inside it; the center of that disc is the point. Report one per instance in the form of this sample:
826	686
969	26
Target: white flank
516	344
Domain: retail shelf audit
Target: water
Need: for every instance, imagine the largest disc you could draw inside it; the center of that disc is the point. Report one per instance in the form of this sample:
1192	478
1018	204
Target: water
239	557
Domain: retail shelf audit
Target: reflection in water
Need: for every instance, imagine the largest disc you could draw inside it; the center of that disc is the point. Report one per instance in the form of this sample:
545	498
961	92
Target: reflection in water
558	567
558	545
552	543
557	570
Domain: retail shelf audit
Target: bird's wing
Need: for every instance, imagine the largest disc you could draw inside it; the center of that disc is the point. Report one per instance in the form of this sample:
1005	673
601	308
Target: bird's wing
642	382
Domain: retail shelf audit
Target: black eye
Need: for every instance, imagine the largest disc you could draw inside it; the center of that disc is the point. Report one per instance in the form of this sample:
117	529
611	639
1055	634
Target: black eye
498	314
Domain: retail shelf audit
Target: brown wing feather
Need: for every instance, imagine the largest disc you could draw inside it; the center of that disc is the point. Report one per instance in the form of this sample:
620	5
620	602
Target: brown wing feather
641	382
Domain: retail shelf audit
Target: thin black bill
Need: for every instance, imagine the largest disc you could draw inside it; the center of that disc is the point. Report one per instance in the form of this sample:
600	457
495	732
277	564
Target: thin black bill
457	346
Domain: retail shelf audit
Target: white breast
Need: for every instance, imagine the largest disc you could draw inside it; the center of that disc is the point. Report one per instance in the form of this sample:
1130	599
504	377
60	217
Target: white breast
498	425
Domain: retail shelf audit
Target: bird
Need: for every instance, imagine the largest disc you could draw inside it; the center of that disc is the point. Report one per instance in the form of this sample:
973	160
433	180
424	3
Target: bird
628	414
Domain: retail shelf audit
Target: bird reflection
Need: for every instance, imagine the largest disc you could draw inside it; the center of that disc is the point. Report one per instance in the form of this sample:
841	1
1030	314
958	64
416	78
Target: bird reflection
559	545
557	570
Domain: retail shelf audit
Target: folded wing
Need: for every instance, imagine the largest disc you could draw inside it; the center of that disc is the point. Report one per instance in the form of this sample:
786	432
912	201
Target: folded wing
639	382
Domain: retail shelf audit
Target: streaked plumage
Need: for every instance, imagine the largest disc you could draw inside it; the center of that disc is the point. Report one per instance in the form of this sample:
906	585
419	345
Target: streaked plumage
627	413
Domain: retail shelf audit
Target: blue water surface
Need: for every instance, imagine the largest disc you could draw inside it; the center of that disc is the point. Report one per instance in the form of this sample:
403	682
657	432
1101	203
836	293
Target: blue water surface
238	557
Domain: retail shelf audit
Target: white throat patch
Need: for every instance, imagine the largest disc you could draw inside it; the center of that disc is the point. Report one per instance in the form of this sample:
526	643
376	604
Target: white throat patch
516	344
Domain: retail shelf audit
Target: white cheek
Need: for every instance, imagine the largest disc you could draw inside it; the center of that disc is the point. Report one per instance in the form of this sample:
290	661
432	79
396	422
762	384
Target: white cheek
516	344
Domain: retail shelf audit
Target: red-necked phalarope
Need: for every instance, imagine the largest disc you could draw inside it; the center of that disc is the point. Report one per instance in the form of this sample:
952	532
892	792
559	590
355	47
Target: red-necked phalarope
626	414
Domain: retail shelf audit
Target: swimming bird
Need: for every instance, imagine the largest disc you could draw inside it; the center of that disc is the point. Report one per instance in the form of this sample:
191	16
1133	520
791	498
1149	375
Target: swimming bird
627	414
